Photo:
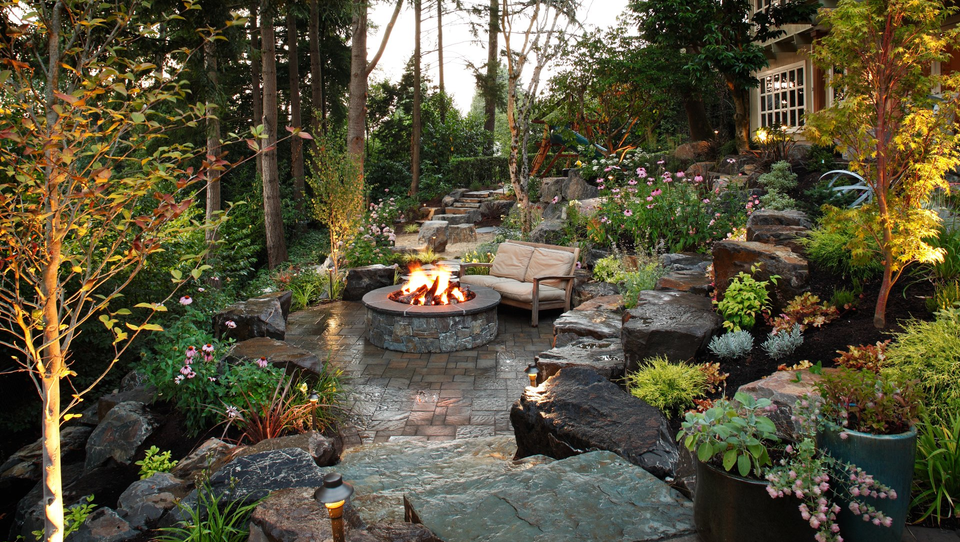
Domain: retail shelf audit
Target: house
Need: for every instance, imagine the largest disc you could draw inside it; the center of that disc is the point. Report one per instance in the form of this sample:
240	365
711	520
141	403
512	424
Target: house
791	87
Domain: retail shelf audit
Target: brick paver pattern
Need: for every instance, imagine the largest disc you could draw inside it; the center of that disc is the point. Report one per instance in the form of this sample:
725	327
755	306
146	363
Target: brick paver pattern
401	396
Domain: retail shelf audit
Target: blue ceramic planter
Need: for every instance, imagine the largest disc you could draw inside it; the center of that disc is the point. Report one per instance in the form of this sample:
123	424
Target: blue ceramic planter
889	459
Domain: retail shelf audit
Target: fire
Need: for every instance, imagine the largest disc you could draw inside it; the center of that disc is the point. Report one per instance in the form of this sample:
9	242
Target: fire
431	288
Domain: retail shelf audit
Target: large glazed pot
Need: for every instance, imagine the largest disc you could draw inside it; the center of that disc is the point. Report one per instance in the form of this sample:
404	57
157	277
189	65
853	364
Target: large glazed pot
728	508
889	459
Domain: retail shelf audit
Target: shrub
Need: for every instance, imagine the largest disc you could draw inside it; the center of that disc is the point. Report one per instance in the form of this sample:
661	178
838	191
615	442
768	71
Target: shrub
484	253
867	402
936	473
780	178
821	158
805	310
73	517
784	343
865	357
644	278
153	462
944	296
843	298
929	352
829	246
732	345
668	386
479	170
610	269
744	299
777	201
211	520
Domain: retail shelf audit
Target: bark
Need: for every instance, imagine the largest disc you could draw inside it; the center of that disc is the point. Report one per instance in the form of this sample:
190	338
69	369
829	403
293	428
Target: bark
272	215
296	144
741	116
490	92
316	69
255	75
443	102
416	121
213	138
52	364
700	129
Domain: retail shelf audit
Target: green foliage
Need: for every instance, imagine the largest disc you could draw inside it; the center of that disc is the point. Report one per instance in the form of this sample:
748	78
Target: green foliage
644	278
285	411
484	253
744	299
936	473
948	268
668	386
929	352
775	200
867	402
822	158
870	357
835	246
843	299
736	432
945	295
339	194
804	310
211	521
73	517
153	462
780	177
610	269
780	344
732	345
485	171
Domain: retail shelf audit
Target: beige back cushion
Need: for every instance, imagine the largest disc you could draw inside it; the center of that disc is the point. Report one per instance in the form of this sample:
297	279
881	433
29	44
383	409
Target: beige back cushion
511	261
549	263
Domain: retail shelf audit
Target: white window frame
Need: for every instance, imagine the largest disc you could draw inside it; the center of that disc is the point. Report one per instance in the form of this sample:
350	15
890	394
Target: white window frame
776	103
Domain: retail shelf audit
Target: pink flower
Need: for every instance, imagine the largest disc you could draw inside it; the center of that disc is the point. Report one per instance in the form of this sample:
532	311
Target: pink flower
556	199
698	179
230	324
641	172
681	174
191	351
232	412
844	435
632	182
649	183
706	200
656	192
262	362
207	350
649	198
628	212
186	300
650	206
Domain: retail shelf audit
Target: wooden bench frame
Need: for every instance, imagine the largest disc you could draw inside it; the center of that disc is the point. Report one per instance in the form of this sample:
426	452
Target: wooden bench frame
536	304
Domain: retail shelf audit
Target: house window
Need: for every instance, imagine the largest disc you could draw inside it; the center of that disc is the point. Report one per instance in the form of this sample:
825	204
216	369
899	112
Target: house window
760	5
783	97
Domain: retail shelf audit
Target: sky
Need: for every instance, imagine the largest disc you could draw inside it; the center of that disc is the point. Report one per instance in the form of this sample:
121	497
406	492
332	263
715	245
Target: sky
459	47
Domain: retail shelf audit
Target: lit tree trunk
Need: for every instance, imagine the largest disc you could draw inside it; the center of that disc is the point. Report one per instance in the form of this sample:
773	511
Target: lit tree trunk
272	214
490	92
741	115
255	75
417	128
52	363
316	73
213	137
443	102
296	143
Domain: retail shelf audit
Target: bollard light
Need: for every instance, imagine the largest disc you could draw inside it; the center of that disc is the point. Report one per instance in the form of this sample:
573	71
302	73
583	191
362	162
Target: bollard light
532	373
334	494
314	399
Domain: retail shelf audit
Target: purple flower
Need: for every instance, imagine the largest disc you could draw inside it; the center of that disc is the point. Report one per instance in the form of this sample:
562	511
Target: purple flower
186	300
681	174
230	324
628	212
262	362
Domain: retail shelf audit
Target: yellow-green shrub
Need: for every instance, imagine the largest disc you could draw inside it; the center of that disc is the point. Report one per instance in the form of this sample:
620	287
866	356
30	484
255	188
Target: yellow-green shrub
670	387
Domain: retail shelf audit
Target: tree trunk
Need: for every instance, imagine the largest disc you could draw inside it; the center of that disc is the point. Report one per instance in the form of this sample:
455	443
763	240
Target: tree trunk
415	133
296	144
443	102
316	73
213	139
255	75
357	114
700	129
272	215
741	115
490	92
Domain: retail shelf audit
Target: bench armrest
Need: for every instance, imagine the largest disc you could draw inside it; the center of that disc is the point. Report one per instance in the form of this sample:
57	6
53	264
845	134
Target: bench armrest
554	277
471	264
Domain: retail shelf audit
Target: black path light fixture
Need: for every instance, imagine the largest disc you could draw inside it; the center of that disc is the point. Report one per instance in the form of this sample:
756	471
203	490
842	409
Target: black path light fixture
532	373
314	399
334	494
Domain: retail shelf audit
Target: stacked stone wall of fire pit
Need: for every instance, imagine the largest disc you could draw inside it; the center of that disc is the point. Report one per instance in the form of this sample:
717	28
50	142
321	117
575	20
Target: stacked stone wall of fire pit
445	328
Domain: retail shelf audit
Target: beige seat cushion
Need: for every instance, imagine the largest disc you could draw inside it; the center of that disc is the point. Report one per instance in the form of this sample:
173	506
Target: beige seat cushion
546	262
511	261
523	291
481	280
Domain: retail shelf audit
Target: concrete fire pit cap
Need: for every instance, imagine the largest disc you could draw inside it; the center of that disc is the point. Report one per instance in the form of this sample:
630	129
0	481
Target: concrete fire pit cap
485	298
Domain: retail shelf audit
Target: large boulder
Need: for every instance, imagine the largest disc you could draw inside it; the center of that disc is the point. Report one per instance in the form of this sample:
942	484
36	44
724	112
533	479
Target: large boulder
605	357
361	280
284	297
206	455
686	261
585	292
145	501
694	151
603	303
578	410
551	188
676	325
433	234
695	282
470	217
119	435
732	257
103	525
784	389
784	228
252	477
324	451
573	325
25	464
278	353
453	197
575	188
496	208
461	233
257	317
144	393
549	232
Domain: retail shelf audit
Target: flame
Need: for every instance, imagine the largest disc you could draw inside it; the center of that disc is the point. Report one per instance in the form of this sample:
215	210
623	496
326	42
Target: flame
438	281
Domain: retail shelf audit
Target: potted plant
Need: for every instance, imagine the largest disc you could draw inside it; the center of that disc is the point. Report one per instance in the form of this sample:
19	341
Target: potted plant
859	429
734	506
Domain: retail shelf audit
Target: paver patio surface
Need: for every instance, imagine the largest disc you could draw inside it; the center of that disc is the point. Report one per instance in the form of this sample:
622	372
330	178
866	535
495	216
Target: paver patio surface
441	396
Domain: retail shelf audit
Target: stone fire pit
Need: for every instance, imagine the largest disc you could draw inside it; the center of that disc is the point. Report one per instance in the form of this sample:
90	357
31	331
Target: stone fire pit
439	328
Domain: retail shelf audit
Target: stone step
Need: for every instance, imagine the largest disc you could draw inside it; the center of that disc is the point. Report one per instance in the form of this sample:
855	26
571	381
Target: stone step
592	496
459	210
477	194
464	205
455	219
427	212
472	200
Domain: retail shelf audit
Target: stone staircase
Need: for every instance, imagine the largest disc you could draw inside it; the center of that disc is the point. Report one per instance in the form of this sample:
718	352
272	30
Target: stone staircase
455	221
592	496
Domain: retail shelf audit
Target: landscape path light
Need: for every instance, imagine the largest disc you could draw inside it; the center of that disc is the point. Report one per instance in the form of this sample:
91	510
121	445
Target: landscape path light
314	399
532	373
334	494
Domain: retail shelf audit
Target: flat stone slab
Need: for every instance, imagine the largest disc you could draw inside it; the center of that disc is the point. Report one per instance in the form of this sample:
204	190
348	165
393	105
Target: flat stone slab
784	389
383	473
471	217
573	325
676	325
603	303
278	353
694	281
604	357
593	496
732	257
